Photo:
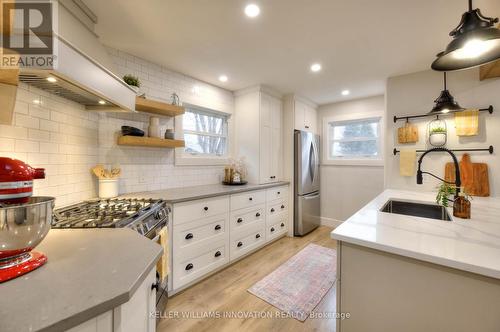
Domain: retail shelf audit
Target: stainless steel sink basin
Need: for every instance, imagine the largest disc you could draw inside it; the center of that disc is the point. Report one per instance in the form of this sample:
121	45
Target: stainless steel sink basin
416	209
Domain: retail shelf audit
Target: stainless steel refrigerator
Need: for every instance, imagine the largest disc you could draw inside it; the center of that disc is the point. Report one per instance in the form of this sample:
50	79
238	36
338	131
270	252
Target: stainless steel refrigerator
306	183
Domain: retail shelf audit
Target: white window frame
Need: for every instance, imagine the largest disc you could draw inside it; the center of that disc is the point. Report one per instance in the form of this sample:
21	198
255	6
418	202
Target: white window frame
361	161
183	158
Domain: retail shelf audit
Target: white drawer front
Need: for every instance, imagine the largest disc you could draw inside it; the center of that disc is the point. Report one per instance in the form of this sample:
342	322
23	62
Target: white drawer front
244	217
247	199
194	237
244	242
279	227
277	208
276	193
194	210
189	269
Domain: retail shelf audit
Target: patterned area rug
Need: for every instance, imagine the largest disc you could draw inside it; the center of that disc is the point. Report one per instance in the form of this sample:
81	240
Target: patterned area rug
297	286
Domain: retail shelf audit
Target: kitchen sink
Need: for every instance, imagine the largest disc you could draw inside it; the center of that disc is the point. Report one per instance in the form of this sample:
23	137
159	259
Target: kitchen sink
416	209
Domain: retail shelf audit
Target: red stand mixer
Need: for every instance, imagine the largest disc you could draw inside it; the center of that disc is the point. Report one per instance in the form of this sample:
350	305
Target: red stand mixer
24	220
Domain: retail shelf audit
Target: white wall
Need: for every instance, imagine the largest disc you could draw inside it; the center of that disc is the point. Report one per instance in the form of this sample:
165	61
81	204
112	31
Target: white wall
66	140
347	188
414	94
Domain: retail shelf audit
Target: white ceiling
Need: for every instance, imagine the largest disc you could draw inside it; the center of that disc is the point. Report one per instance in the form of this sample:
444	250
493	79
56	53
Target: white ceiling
358	42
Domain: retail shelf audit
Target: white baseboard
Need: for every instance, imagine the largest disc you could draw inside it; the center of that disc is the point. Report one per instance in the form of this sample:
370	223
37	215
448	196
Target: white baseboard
330	222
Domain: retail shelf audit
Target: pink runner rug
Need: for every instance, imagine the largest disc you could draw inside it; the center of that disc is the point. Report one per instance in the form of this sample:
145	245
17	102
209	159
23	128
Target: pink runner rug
297	286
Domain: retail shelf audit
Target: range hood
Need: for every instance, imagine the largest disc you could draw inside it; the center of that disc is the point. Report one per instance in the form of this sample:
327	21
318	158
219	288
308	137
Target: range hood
82	71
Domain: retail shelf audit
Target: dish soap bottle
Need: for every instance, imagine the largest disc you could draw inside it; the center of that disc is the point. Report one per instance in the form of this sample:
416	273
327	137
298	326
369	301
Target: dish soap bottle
461	206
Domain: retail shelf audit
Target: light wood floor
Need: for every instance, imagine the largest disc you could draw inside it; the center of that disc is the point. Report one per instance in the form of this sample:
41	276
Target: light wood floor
227	291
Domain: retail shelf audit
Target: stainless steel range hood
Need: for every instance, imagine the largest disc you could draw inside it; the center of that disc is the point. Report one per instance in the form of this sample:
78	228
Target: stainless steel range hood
82	71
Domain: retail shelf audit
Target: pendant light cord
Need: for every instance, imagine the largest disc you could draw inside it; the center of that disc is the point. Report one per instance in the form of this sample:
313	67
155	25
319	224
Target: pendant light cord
470	5
445	87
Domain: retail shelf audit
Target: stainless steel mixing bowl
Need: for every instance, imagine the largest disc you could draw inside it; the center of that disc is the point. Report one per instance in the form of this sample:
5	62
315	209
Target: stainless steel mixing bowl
23	227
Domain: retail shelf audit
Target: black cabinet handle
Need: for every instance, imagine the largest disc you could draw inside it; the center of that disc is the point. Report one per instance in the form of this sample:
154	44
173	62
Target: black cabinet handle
282	206
272	229
239	221
257	214
217	227
217	254
205	208
189	267
156	285
239	244
189	236
272	210
272	177
307	127
282	225
250	198
257	236
279	193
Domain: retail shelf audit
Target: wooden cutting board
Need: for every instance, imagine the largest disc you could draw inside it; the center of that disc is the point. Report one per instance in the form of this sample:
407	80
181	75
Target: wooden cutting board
408	134
474	176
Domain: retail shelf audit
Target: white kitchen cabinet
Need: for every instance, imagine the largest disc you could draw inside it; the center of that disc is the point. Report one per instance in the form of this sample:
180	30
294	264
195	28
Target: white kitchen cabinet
259	135
304	115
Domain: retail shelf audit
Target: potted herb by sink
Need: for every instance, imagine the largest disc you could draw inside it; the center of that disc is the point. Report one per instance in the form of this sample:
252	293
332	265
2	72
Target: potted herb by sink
133	82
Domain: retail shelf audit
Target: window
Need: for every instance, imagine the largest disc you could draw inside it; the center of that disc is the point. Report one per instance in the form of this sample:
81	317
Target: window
205	133
354	139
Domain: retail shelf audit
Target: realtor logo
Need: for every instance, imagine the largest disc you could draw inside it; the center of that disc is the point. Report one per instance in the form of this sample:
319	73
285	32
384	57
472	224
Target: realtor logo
27	34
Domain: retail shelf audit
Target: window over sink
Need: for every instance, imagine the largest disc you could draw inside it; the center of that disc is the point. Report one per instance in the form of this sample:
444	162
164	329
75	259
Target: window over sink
206	136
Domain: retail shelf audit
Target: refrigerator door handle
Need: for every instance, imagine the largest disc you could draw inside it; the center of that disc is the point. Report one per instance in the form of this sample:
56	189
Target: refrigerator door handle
308	197
311	163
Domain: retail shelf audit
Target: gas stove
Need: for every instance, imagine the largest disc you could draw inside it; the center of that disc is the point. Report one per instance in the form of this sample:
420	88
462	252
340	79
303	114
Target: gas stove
146	216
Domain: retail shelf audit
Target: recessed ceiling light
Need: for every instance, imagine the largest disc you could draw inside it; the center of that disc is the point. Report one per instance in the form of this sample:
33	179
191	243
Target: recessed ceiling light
102	102
51	79
223	78
315	67
345	92
252	10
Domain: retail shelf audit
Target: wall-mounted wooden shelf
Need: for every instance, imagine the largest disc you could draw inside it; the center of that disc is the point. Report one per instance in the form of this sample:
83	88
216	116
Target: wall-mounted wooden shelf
157	107
150	142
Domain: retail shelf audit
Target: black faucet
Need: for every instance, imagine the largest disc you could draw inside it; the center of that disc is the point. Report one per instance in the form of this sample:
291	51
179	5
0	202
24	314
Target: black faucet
457	183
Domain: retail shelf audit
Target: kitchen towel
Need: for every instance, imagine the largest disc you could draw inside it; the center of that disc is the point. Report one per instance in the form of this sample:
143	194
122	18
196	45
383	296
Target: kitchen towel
467	122
162	265
407	158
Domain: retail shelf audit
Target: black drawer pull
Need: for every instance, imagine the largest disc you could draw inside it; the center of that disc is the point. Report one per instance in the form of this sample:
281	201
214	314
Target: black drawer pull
257	236
239	244
282	225
282	206
272	210
257	214
217	254
279	193
272	177
189	267
272	229
205	208
250	198
189	236
239	221
217	227
307	127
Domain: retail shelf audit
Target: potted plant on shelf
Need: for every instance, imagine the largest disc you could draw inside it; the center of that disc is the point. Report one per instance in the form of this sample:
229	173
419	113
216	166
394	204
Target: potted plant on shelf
133	82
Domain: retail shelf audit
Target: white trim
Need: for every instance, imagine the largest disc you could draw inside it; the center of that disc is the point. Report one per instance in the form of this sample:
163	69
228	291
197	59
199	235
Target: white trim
330	222
258	88
376	162
304	100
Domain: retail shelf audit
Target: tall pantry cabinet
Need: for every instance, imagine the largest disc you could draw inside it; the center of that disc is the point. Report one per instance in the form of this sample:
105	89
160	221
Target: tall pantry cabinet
258	133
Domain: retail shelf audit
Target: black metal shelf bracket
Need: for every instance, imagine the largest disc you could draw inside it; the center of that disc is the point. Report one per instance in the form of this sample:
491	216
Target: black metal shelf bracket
490	150
408	117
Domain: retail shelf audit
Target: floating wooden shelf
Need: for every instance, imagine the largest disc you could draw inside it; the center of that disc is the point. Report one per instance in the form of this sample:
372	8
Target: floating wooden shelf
150	142
157	107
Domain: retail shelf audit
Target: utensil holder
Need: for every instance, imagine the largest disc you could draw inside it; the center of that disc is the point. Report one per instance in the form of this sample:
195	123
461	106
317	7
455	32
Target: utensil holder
108	188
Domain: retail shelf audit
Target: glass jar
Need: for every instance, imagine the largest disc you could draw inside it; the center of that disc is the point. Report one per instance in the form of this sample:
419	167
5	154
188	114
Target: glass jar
438	132
461	207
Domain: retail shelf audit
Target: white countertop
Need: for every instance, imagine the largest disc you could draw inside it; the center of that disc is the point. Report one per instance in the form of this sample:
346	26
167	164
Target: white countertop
470	245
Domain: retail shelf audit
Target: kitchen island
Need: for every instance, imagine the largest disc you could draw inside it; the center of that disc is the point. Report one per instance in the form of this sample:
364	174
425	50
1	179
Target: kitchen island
94	280
404	273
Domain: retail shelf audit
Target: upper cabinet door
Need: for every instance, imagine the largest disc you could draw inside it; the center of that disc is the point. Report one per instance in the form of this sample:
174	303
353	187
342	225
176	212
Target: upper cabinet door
300	116
277	140
311	119
266	137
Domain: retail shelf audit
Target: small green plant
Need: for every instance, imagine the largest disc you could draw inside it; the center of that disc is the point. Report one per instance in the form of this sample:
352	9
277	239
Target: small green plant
132	80
444	191
438	130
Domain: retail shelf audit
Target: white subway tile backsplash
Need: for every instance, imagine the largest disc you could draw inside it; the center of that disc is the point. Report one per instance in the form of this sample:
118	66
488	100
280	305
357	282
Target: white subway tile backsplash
22	120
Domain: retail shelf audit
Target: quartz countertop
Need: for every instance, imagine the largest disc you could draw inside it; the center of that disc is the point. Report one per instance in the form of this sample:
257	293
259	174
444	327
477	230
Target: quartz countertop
177	195
470	245
88	272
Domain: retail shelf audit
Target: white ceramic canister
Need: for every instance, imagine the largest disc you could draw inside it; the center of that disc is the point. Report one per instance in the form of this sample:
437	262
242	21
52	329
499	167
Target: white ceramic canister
154	127
108	188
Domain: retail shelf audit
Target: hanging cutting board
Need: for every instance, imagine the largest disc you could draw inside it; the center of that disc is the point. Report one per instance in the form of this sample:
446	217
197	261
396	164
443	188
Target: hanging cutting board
408	134
474	176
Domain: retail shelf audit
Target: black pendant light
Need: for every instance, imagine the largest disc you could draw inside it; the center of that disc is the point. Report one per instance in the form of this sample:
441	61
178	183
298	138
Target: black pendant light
476	41
445	103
